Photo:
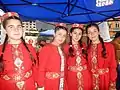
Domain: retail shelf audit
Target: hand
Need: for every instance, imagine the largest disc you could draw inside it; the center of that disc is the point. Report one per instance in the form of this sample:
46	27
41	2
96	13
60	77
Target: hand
112	88
42	88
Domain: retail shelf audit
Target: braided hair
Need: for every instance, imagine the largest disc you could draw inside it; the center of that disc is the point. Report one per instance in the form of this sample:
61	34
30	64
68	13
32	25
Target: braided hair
100	38
71	50
3	49
4	23
31	56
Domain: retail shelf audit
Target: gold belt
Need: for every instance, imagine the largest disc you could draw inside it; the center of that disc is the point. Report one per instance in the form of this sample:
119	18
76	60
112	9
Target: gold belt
54	75
17	77
77	68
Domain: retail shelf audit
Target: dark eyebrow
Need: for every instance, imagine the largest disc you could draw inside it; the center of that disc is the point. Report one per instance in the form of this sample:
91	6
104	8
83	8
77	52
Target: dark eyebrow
10	25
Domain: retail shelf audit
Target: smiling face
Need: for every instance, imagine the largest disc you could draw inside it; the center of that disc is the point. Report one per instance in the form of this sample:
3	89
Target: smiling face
60	36
93	34
76	35
14	29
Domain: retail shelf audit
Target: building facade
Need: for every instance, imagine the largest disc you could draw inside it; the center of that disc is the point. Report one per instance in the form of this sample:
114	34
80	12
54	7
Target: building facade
30	32
114	27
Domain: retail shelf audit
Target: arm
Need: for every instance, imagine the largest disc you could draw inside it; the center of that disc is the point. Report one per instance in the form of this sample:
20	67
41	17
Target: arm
34	54
116	43
0	60
43	58
34	66
113	66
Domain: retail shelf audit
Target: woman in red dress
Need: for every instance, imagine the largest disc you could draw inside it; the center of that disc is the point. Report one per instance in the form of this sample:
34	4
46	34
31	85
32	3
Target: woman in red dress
78	75
52	62
17	59
101	59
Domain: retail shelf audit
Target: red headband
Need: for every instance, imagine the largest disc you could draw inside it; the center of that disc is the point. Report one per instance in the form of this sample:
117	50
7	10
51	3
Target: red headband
78	25
61	24
9	14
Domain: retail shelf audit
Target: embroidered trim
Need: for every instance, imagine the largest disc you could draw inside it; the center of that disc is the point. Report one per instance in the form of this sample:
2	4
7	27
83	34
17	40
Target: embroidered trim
94	63
62	60
20	85
5	77
17	77
77	68
18	63
52	75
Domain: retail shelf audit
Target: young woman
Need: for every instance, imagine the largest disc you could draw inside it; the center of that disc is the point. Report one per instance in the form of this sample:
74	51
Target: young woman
52	62
101	59
17	59
78	75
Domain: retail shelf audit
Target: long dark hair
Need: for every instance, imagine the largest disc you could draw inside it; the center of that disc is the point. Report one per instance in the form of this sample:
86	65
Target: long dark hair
100	38
71	50
117	35
4	23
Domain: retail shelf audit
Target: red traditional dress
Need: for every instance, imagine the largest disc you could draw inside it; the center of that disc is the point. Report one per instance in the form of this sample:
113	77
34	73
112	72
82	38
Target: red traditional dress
103	69
78	75
18	71
52	68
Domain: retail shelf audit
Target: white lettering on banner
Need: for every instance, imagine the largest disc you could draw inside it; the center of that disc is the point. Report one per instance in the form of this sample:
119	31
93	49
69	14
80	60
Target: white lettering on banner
101	3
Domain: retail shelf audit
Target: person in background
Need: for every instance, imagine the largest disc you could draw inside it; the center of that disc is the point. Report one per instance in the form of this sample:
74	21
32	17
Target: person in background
101	59
40	45
52	62
116	43
78	75
18	60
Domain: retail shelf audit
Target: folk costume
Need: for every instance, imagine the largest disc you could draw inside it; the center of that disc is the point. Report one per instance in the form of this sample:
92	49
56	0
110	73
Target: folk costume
103	69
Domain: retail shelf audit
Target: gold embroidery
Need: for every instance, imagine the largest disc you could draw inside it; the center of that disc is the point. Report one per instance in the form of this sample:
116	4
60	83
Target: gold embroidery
28	74
94	68
6	77
16	53
103	71
52	75
79	75
17	78
20	84
78	68
78	60
19	75
18	62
